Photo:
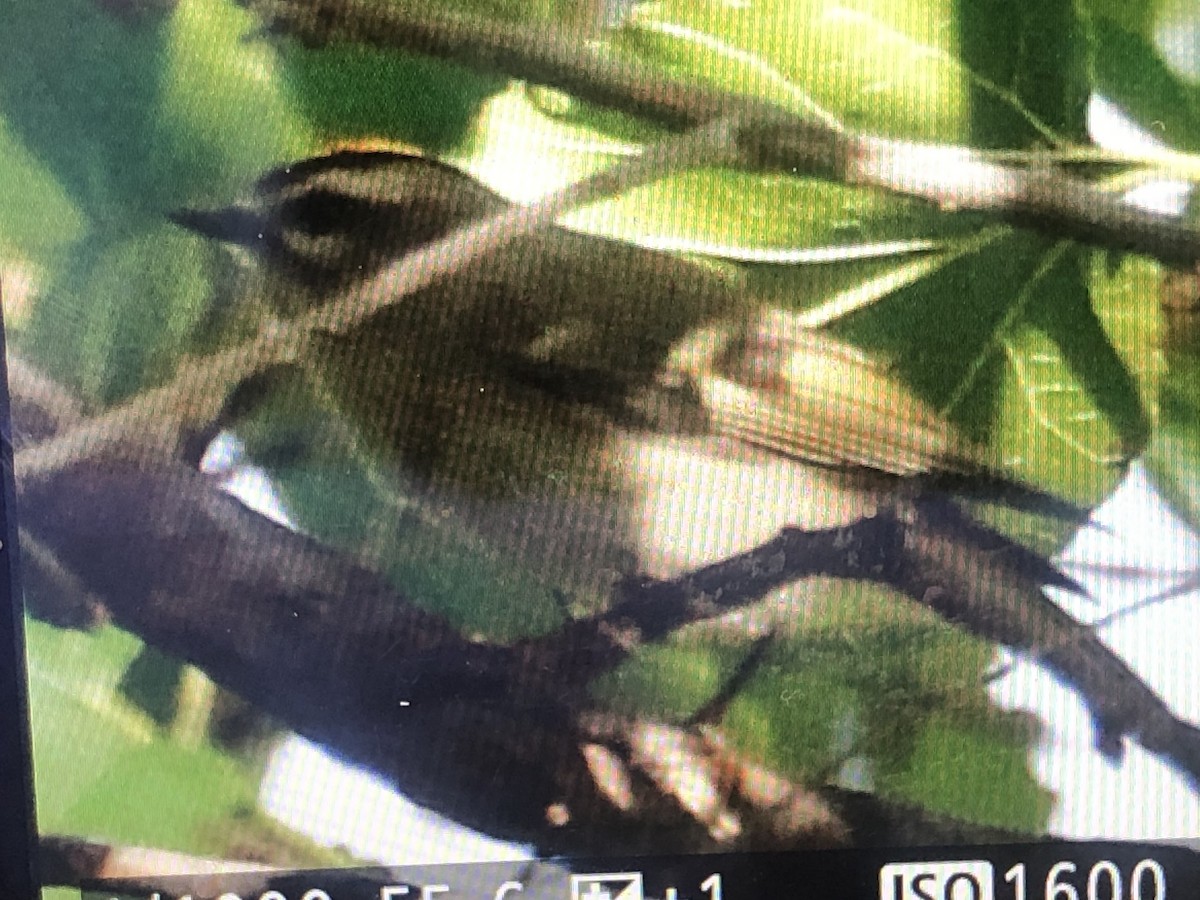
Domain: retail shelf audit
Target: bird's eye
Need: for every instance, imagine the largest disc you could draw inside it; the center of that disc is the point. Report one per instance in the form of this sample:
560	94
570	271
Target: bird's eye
320	213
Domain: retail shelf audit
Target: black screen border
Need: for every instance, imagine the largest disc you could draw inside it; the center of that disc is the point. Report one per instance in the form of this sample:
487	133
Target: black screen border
18	827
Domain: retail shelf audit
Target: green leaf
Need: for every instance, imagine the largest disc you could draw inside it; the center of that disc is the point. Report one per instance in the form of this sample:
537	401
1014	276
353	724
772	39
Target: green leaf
1028	64
1076	409
224	112
887	67
352	93
1131	71
37	215
960	768
125	124
128	118
104	770
1173	458
881	65
670	682
101	766
1137	18
818	702
120	312
1005	340
80	90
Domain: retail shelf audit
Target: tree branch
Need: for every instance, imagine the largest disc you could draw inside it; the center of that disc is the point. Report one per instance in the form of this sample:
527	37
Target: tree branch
481	732
66	861
546	54
1029	194
330	649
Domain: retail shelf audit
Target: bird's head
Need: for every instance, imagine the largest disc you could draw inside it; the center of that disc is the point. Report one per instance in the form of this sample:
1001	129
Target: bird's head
328	220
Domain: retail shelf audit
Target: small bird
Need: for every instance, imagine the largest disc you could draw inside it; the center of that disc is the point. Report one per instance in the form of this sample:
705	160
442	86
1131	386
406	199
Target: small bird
600	408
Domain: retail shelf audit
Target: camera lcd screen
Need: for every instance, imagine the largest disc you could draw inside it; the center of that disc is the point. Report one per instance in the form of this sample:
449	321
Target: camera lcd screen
601	449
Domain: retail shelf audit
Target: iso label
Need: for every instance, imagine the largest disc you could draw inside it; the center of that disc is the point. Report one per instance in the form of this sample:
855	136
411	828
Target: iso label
958	880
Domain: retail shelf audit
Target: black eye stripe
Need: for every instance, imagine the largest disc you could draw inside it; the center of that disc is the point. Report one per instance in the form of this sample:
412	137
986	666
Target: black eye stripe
334	219
323	212
397	224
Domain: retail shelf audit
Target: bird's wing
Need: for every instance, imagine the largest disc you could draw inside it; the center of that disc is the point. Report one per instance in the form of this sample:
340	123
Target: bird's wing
804	395
819	428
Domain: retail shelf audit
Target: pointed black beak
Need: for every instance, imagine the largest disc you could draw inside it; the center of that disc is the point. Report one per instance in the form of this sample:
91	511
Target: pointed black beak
233	225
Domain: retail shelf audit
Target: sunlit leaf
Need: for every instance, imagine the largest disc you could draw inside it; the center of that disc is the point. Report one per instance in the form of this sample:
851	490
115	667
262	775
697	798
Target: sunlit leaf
1174	454
224	110
957	764
37	215
101	765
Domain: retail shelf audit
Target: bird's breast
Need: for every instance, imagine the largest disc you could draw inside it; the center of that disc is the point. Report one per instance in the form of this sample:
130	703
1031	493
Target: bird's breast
692	501
657	505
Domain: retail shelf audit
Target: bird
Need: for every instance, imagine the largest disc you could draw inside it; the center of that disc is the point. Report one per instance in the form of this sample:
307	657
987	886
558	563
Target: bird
599	408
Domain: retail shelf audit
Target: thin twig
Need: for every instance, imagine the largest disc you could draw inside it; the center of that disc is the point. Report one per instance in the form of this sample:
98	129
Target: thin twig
154	419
